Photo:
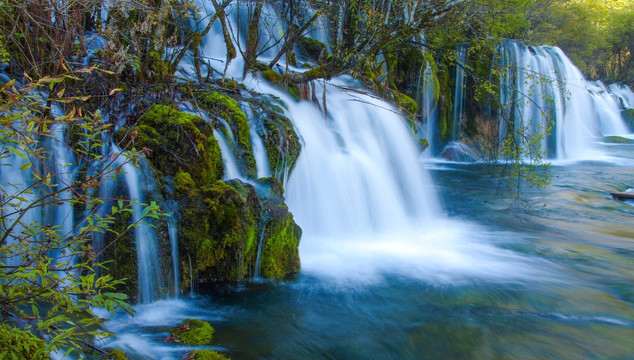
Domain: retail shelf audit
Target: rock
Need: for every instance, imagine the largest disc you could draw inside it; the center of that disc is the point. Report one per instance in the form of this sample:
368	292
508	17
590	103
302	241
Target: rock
193	332
205	355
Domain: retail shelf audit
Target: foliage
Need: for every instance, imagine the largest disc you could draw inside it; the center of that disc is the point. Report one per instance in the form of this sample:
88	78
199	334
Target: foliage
525	160
193	332
596	34
49	280
206	355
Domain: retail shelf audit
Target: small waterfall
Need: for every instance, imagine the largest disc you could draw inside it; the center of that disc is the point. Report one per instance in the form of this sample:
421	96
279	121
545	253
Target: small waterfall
172	228
150	279
61	213
542	87
623	95
17	184
191	278
228	158
428	100
258	271
459	93
259	152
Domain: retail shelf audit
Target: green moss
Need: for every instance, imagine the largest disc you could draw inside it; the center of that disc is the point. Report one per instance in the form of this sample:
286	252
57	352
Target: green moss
271	76
280	255
193	332
115	354
445	104
219	230
231	85
424	143
281	142
407	103
281	236
629	117
617	140
316	72
120	249
310	48
227	108
183	182
177	142
206	355
293	90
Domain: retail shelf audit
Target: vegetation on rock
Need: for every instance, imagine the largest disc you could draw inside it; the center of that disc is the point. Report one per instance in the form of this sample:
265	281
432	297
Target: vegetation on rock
206	355
194	332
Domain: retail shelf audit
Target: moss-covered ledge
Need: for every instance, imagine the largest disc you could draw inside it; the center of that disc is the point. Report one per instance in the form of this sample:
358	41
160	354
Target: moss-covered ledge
227	108
176	141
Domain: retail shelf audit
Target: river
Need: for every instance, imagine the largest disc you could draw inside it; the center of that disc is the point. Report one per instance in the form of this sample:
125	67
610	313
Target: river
550	276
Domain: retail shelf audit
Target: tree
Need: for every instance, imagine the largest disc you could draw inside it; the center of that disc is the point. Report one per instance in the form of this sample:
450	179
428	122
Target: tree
49	278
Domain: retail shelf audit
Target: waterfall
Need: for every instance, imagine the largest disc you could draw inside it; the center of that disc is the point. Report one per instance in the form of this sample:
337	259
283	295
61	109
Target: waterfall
17	184
61	213
427	98
459	93
172	228
541	87
150	280
228	158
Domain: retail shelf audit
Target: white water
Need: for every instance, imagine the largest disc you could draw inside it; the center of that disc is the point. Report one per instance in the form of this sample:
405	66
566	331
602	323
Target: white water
61	213
17	184
150	280
172	228
228	158
545	86
428	104
459	93
358	191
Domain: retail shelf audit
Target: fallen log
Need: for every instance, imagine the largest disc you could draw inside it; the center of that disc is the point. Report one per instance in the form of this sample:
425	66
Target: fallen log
628	195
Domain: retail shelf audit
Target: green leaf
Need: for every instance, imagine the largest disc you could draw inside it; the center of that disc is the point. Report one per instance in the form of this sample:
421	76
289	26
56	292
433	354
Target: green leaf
17	152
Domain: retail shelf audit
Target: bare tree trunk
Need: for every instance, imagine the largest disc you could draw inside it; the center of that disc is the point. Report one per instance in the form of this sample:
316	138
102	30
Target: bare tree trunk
253	37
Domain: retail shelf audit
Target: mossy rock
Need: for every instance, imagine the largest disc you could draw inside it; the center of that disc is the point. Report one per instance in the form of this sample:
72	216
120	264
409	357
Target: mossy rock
271	76
617	140
193	332
177	142
309	48
219	232
406	103
424	143
281	235
281	142
206	355
115	354
445	105
227	108
120	252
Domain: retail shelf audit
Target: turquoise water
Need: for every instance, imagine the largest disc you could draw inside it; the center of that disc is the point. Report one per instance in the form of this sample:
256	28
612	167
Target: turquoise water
551	276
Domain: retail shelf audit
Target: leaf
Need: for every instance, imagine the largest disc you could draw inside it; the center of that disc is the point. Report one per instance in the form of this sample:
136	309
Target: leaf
26	166
114	91
17	152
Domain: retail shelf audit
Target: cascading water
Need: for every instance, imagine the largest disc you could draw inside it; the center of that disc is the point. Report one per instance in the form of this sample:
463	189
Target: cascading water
150	279
542	86
358	190
228	158
427	95
61	214
459	93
